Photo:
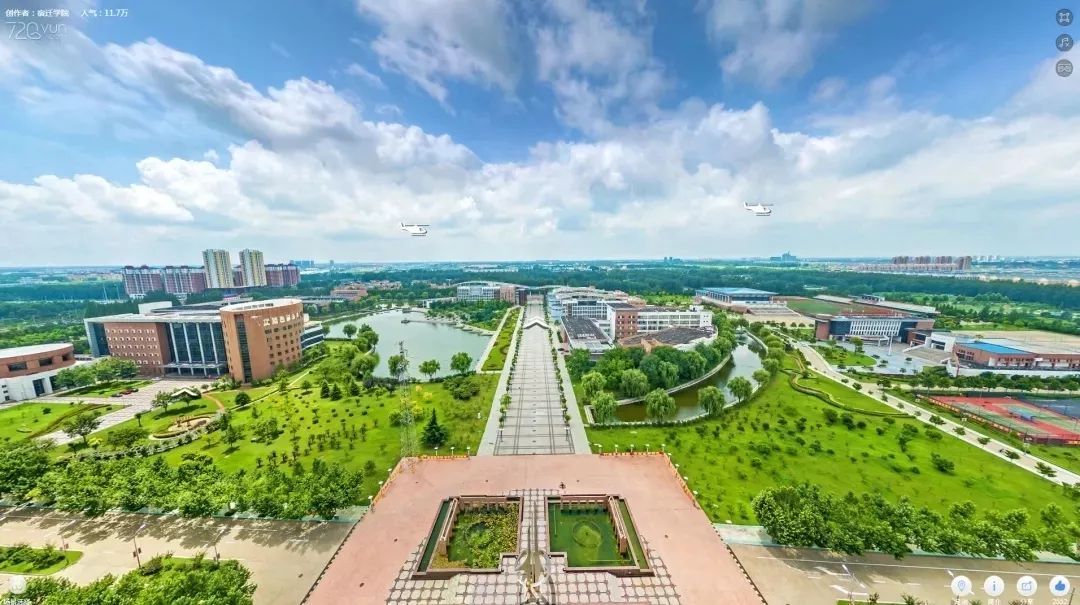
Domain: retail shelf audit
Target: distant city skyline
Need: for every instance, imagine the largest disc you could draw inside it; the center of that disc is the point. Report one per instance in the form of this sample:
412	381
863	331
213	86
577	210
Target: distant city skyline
522	130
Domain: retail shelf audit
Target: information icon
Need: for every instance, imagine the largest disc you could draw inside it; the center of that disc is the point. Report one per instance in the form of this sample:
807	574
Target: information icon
1064	68
1027	586
1064	43
1059	586
994	586
961	586
1064	17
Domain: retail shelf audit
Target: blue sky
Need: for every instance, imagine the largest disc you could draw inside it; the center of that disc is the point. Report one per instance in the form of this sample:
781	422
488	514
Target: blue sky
538	129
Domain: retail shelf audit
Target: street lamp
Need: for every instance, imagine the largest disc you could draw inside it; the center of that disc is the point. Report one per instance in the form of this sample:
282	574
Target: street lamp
217	555
452	448
137	551
646	448
436	451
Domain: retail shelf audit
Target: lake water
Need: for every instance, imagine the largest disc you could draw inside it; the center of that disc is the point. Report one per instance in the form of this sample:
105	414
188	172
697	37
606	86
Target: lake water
744	362
422	340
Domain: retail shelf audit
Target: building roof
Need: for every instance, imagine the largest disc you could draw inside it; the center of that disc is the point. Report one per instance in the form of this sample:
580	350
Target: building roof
582	328
54	347
736	291
260	304
990	347
673	336
619	305
1009	346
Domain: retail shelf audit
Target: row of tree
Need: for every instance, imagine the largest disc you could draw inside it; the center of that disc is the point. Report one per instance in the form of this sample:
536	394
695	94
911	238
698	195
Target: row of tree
104	370
939	377
804	515
194	488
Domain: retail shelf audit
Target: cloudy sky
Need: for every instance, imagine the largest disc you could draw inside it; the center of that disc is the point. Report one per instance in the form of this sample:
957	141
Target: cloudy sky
538	129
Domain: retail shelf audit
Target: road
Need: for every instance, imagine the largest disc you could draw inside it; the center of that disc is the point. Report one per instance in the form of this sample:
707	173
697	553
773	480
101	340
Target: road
971	436
285	557
134	403
794	576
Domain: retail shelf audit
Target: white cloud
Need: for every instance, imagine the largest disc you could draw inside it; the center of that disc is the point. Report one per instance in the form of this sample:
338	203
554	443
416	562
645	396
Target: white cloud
829	89
433	41
769	41
314	176
359	71
280	50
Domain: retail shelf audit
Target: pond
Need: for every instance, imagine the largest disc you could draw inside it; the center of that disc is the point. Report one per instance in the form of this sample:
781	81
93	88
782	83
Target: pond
423	340
744	362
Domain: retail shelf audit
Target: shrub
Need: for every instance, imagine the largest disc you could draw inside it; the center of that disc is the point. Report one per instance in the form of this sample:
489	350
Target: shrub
942	463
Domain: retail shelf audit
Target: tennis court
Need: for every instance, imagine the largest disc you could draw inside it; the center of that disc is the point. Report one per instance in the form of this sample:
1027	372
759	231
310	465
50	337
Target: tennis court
1028	421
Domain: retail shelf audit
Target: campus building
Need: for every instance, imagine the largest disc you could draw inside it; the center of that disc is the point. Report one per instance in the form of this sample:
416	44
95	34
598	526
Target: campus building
743	300
350	292
28	372
218	267
584	302
624	319
1014	356
895	327
477	291
252	268
197	340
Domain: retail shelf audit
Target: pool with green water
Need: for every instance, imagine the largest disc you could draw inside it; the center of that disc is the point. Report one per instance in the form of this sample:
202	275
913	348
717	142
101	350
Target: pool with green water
585	533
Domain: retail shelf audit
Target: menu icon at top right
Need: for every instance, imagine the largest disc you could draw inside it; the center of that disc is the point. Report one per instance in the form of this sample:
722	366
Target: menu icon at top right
1064	17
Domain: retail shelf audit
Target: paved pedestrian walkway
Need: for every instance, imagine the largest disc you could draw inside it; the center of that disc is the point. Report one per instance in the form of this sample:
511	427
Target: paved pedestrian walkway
971	435
534	421
134	403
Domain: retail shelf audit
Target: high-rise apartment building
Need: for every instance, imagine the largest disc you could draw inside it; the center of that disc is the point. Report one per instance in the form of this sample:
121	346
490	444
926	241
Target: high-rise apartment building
253	268
138	281
218	267
183	279
282	275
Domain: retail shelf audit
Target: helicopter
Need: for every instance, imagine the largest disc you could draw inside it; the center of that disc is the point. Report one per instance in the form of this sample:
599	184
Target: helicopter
759	209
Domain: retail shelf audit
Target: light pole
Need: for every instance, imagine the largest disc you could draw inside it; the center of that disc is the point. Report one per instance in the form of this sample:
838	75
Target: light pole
646	448
135	543
217	555
452	448
436	451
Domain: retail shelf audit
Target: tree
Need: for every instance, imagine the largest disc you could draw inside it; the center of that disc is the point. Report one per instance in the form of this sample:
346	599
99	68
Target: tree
349	330
603	407
434	433
633	383
81	425
324	390
762	376
461	362
335	392
578	362
711	399
232	434
398	366
123	437
242	399
592	383
162	400
740	388
659	405
21	464
857	342
771	366
430	367
265	430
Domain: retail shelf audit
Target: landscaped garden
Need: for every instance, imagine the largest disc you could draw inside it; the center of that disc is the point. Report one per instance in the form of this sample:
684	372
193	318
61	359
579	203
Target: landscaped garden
497	356
22	559
29	420
480	536
584	531
785	437
839	356
163	422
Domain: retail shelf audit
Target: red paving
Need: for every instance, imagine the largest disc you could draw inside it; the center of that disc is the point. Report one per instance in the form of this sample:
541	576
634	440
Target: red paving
701	567
999	407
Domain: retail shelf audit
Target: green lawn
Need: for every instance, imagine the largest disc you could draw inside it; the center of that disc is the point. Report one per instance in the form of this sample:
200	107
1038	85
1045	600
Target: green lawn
66	559
730	459
837	355
107	389
157	421
28	420
497	357
1067	457
318	423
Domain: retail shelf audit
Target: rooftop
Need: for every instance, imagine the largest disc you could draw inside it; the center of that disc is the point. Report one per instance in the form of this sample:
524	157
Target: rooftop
1010	346
990	347
583	328
34	349
735	291
675	335
262	304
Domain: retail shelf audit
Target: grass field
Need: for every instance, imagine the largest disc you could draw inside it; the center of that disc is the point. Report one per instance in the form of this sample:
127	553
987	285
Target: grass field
158	421
728	460
497	357
107	389
813	306
69	558
316	426
28	420
837	355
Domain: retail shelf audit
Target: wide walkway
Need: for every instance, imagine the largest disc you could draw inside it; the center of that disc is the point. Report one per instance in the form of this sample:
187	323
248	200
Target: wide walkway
134	403
971	434
534	421
285	557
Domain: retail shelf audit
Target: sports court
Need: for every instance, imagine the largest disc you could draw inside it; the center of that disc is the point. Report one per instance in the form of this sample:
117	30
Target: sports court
1027	420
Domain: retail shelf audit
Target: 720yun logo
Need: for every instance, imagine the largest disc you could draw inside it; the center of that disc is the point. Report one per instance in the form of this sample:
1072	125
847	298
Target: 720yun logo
32	30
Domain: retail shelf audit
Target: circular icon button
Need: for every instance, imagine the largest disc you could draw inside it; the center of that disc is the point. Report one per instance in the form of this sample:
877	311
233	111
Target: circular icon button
1064	17
1059	586
1027	586
961	586
994	586
1064	68
1064	43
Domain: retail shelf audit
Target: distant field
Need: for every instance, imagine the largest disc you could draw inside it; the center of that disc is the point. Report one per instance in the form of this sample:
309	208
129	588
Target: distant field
813	306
